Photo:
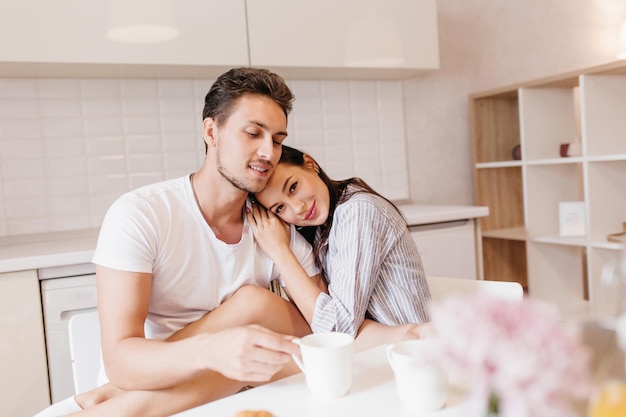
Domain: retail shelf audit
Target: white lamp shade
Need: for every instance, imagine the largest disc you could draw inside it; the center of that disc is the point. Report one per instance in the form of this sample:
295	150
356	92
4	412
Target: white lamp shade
622	42
141	21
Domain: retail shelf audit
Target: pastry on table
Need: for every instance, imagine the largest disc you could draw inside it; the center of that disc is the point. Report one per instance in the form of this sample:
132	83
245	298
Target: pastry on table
253	413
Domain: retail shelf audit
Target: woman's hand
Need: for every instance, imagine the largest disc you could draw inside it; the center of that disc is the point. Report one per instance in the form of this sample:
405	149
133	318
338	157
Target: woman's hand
417	331
271	233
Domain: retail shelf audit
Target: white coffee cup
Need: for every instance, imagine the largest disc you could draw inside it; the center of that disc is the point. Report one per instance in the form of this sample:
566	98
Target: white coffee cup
326	363
421	384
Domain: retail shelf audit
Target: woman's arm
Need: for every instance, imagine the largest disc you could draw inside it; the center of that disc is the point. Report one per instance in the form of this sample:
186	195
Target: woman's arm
360	245
372	333
272	235
373	267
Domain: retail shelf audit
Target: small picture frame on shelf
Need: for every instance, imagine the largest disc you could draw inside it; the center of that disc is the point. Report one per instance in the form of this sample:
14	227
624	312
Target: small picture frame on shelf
572	219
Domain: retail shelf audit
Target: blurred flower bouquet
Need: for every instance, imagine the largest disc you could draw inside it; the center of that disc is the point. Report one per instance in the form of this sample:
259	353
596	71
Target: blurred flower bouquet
519	358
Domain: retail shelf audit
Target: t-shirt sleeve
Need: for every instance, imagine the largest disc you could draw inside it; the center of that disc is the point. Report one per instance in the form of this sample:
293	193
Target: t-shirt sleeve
126	240
303	252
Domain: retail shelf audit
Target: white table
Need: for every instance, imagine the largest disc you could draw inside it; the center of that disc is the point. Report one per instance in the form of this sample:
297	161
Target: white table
373	393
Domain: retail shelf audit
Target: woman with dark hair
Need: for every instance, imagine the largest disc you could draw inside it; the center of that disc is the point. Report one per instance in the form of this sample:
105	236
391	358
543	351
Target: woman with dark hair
371	267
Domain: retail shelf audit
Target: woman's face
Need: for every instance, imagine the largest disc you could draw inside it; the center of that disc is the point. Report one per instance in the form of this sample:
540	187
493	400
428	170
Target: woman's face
297	194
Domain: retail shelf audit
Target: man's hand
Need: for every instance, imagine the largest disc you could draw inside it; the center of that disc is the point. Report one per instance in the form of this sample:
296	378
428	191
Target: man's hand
249	353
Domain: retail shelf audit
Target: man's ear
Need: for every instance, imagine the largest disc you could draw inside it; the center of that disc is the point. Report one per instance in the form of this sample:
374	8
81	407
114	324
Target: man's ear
310	163
208	129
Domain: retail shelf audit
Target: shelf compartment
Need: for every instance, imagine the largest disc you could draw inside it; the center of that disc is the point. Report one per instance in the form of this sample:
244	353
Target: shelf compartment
604	296
608	158
546	186
560	240
506	209
604	100
607	245
495	125
564	161
558	274
607	198
505	260
549	118
501	164
511	233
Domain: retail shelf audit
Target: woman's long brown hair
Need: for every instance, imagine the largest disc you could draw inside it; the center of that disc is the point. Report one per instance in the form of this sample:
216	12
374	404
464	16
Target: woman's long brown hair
339	192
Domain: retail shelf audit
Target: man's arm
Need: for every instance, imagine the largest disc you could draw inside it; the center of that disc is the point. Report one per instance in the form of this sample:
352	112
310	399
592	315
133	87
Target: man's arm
244	353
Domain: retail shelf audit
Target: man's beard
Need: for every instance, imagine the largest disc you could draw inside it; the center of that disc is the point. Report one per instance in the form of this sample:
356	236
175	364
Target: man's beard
238	183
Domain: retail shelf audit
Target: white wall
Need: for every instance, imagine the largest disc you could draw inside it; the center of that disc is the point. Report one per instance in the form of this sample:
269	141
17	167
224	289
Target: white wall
486	44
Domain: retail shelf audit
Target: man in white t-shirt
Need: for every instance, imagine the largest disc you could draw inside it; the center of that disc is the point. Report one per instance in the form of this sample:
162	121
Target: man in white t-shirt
185	313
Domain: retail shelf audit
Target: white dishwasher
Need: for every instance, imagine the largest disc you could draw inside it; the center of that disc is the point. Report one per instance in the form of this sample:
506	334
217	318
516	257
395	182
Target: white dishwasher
65	291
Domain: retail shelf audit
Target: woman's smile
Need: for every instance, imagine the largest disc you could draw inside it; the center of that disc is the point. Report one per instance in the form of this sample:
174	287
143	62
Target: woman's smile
311	213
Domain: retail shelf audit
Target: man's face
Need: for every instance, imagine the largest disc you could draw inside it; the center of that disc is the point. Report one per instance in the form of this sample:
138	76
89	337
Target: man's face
248	144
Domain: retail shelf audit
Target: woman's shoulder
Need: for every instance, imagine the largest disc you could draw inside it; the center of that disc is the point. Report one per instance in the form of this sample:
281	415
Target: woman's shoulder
369	204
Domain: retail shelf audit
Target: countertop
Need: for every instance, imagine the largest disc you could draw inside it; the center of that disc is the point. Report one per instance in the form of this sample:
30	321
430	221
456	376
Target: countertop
418	214
45	250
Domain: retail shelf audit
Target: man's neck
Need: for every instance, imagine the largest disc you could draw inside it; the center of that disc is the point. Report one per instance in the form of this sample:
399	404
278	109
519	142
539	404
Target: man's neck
221	205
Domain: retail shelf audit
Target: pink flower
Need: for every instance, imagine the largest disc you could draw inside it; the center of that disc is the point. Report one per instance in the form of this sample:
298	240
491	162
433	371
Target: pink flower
521	352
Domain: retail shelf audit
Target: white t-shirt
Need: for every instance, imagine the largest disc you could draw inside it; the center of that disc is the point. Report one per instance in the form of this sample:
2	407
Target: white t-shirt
160	229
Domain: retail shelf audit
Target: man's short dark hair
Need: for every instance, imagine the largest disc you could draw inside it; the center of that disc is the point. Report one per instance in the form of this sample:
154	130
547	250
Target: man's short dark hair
233	84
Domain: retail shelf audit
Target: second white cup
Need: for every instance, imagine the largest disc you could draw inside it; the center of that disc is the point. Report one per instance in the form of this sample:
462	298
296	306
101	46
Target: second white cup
421	384
326	363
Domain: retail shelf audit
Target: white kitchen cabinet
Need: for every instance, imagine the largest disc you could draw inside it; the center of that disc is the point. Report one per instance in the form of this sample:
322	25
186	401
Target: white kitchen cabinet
447	238
375	35
300	39
447	249
212	33
23	367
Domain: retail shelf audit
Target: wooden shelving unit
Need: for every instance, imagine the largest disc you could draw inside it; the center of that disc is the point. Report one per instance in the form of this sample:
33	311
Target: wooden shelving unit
520	237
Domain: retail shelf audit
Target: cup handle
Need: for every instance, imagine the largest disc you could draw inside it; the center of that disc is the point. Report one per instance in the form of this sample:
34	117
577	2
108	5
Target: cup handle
296	359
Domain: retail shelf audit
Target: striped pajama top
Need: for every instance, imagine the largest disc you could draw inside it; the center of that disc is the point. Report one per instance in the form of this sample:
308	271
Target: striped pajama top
373	268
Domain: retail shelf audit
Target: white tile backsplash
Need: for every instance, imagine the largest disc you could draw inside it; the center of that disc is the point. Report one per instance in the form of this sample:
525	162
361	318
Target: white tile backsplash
58	87
62	126
16	169
100	88
66	146
139	106
66	167
13	129
19	108
142	125
140	88
98	107
103	126
61	107
19	88
70	147
176	88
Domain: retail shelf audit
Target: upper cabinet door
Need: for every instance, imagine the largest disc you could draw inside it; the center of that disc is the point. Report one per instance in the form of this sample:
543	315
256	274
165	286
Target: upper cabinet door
375	34
212	32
